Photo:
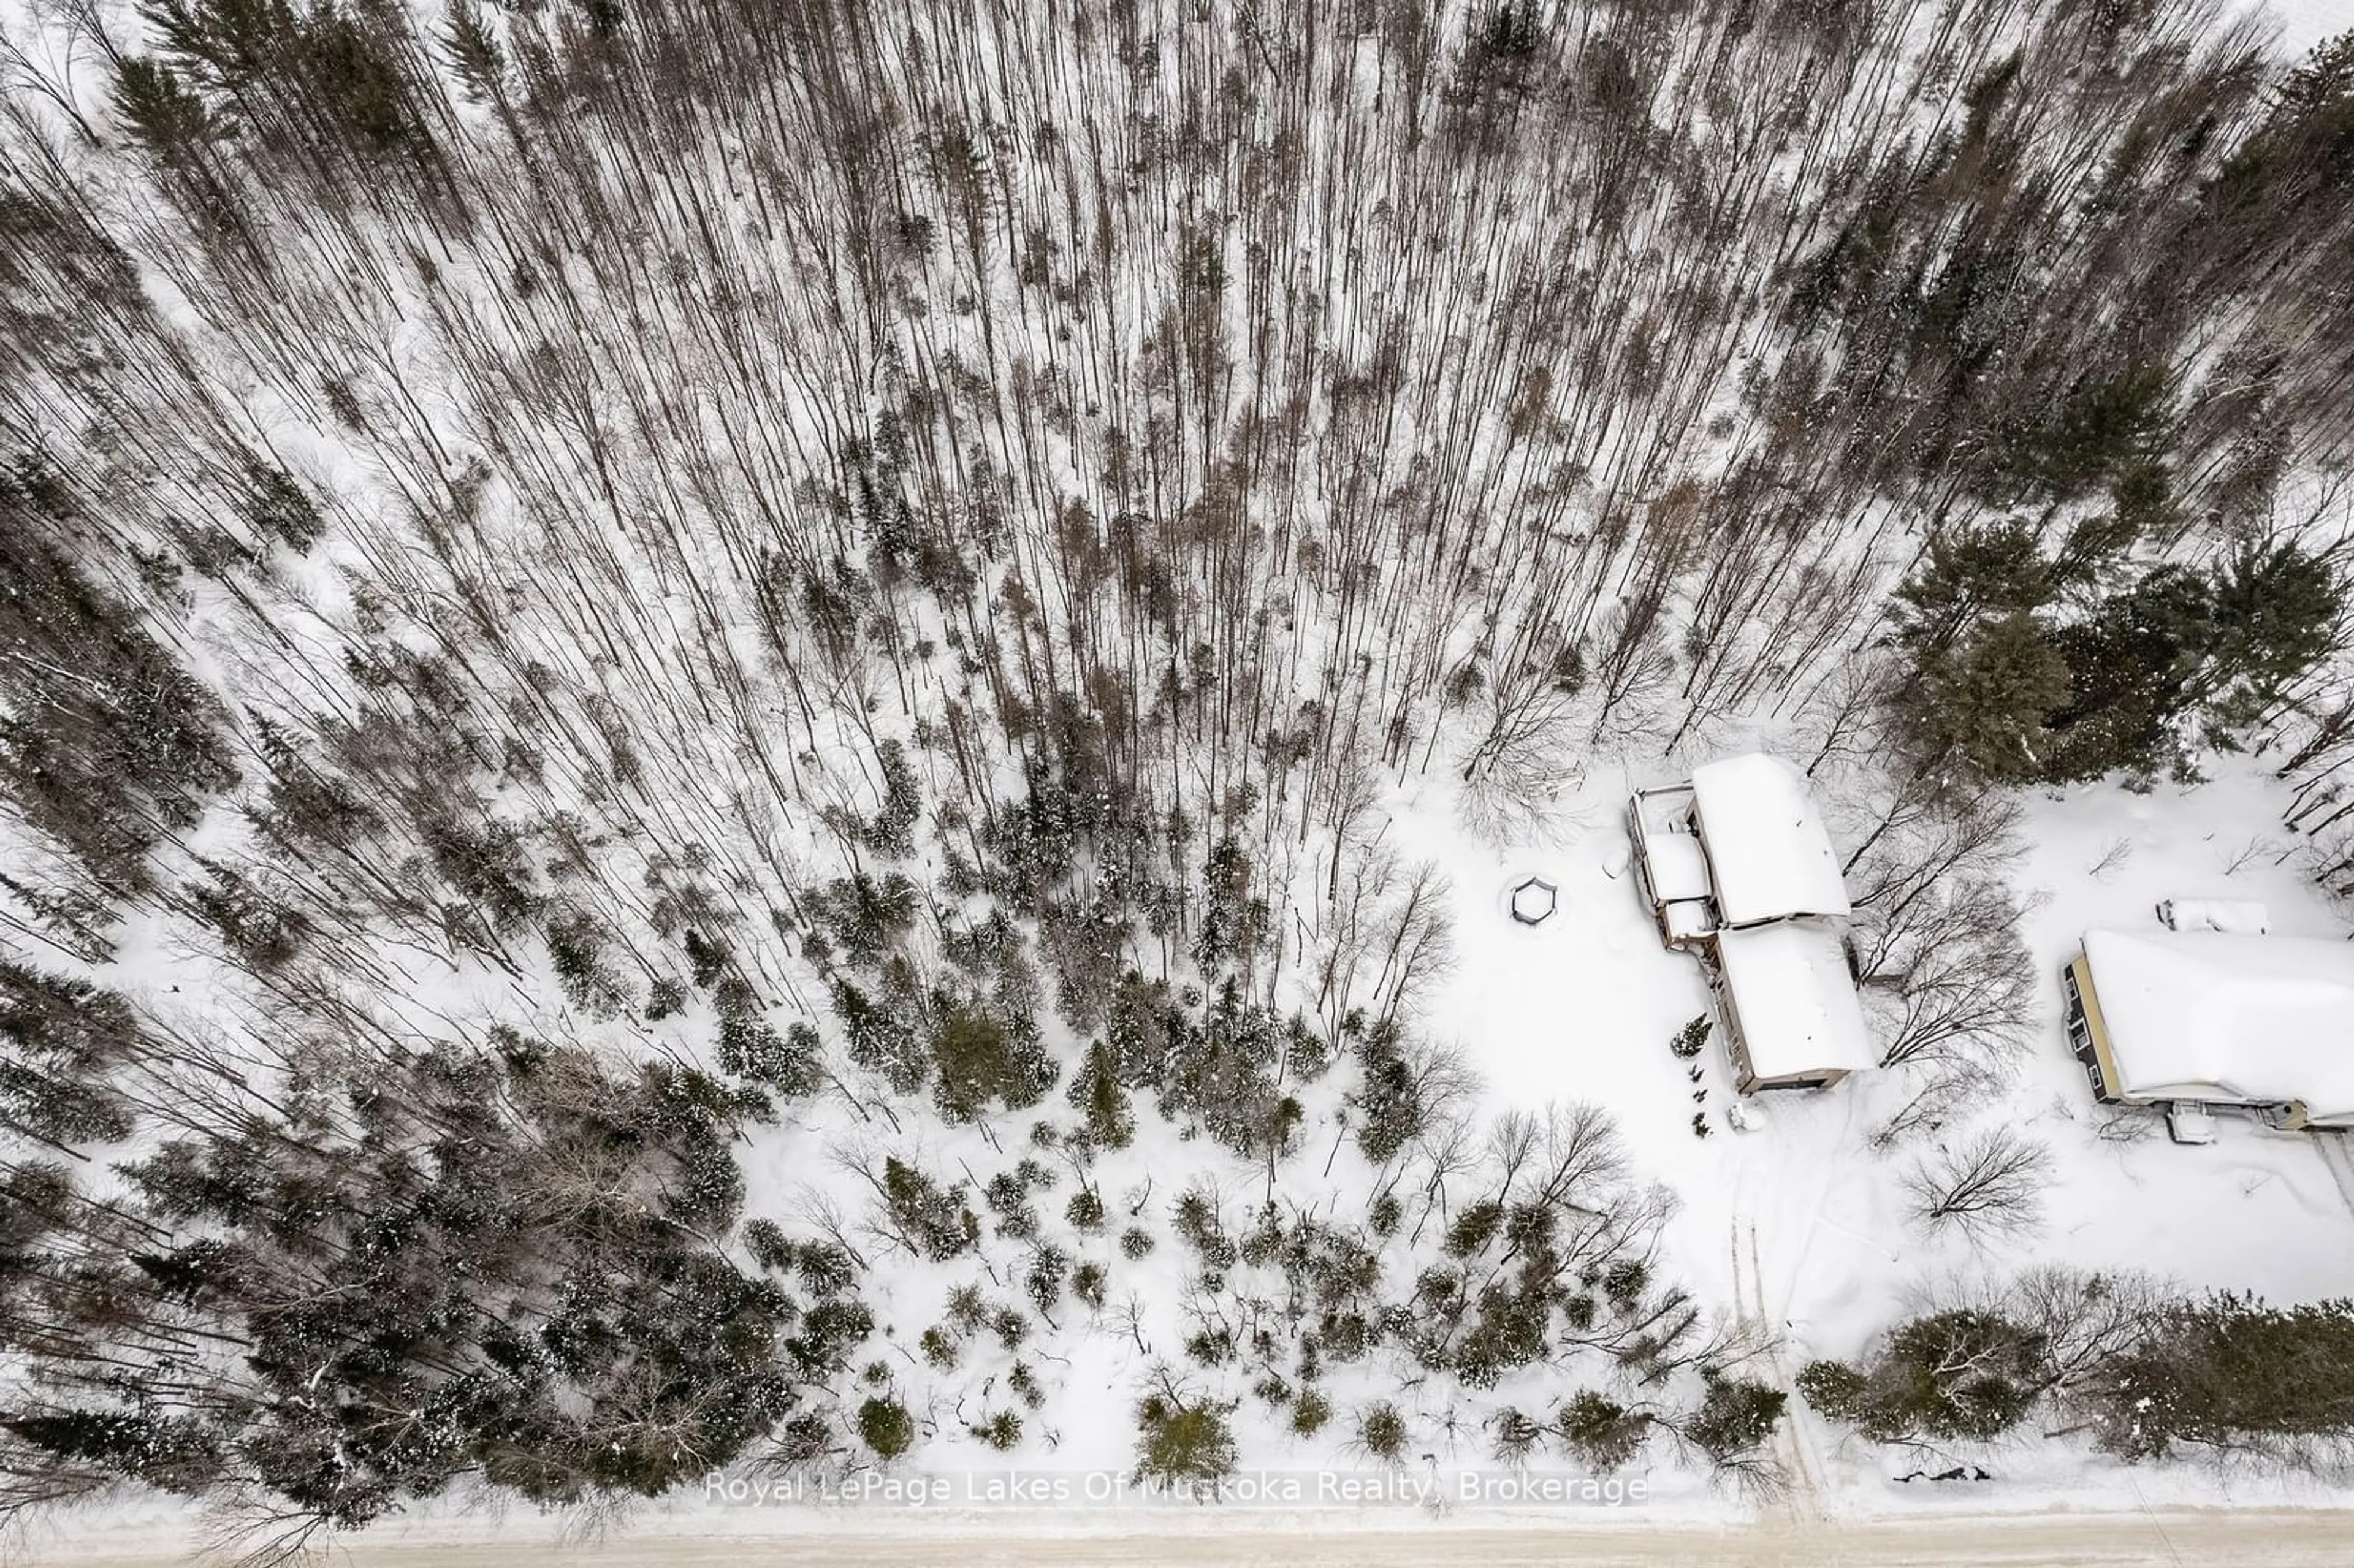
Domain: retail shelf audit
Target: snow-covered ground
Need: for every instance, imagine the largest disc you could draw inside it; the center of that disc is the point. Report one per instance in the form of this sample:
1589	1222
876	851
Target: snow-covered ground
2305	23
1797	1222
1800	1221
2122	1540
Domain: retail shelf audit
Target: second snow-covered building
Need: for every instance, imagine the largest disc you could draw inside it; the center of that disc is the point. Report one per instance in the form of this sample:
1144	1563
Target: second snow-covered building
2206	1018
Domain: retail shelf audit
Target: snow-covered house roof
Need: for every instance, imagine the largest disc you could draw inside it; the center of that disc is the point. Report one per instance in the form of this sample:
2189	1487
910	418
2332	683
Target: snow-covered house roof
1794	1000
2206	1015
1770	852
1677	868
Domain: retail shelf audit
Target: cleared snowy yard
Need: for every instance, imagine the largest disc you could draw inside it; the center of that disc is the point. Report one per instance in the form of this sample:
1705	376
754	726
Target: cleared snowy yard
2257	1209
1800	1222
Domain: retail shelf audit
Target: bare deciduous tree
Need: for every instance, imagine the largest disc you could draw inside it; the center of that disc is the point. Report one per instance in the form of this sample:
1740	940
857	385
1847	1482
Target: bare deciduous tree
1988	1186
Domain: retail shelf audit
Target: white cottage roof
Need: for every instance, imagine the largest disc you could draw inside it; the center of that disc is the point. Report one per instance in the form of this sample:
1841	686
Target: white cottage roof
1767	844
1796	1003
1678	869
2207	1015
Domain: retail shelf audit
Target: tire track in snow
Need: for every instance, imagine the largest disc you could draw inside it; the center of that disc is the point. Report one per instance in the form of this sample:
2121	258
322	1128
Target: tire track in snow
1804	1499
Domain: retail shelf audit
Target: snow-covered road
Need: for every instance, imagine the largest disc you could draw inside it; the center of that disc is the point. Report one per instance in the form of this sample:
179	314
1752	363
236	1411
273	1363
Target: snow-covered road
2323	1539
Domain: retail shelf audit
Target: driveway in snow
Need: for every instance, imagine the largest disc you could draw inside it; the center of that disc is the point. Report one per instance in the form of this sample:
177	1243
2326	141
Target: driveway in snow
2235	1538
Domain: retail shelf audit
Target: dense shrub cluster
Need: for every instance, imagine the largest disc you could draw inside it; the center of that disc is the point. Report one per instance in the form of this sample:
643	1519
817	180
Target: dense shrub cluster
498	1261
2149	1375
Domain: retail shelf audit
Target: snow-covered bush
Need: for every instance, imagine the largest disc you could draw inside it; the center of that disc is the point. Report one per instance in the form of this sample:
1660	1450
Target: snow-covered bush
885	1428
1182	1441
1601	1433
1735	1418
1960	1374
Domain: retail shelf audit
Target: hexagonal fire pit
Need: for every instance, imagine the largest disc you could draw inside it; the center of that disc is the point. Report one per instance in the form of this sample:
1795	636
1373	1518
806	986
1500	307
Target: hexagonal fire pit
1533	901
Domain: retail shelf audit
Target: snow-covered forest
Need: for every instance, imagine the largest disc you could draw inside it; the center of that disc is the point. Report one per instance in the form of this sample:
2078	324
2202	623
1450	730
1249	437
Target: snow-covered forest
699	701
